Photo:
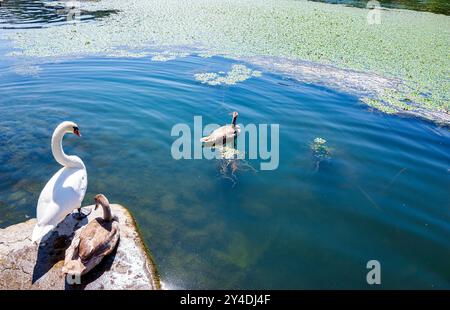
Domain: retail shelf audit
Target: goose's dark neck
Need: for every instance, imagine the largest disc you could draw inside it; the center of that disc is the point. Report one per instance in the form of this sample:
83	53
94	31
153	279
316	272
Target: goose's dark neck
233	122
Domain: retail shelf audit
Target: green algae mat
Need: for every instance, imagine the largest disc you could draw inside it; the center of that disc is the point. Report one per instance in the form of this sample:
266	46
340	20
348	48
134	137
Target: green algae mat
402	61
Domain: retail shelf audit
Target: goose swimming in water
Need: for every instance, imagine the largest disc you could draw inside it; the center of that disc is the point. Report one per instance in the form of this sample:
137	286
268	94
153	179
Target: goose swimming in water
65	191
92	242
225	133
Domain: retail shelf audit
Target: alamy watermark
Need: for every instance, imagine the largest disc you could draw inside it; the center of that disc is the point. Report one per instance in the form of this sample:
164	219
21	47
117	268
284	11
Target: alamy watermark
374	274
263	142
73	279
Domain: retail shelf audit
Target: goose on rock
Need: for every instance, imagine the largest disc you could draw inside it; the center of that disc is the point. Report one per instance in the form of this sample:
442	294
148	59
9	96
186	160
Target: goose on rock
92	242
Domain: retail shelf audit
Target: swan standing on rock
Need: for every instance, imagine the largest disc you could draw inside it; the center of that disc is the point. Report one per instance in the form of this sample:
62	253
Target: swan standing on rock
65	191
92	242
225	133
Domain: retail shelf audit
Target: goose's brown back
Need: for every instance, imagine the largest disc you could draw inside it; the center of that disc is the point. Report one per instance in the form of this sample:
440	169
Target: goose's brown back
98	239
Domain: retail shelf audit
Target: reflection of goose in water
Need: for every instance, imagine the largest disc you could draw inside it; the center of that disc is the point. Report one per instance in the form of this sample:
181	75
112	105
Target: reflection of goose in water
232	161
92	242
65	191
223	134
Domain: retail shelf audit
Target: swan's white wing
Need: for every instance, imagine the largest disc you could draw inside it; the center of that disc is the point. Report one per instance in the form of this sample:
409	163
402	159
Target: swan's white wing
63	193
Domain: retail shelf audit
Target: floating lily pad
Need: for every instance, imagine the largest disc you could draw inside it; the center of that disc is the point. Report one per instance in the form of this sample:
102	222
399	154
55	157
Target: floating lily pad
238	73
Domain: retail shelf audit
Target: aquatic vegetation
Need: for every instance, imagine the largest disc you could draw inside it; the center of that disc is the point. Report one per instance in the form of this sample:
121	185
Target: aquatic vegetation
166	56
408	47
320	141
163	57
126	54
27	70
227	152
206	55
238	73
379	105
321	151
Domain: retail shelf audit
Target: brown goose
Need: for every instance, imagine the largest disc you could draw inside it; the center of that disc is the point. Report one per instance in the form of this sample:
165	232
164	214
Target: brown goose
225	133
92	242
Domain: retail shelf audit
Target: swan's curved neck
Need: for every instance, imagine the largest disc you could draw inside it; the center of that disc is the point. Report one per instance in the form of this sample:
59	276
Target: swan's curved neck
58	152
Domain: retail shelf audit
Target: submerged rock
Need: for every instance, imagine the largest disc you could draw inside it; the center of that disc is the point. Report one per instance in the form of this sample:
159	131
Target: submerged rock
24	265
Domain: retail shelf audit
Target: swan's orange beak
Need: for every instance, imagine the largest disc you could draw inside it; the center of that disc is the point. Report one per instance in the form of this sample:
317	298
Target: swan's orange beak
76	131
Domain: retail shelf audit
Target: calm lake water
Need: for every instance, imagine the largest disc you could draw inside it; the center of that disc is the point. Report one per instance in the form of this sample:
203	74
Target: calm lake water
381	193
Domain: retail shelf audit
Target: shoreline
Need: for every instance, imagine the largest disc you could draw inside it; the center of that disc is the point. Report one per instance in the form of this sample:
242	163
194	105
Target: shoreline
154	270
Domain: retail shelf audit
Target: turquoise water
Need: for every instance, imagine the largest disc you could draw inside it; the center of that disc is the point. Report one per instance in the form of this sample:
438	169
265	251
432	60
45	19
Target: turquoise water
381	193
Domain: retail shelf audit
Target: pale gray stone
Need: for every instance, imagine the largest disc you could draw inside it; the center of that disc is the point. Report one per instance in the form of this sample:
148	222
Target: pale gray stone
24	265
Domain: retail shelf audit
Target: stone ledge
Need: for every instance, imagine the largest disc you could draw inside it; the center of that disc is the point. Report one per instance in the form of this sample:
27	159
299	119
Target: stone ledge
24	265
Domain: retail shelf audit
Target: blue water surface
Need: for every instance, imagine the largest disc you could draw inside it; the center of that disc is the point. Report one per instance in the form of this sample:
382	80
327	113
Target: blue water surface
380	193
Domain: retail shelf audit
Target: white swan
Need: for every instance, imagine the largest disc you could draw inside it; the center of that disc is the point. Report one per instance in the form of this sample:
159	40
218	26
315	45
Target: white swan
224	134
65	191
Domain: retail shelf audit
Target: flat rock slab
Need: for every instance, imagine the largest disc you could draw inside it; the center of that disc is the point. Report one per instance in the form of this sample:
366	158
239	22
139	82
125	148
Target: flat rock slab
24	265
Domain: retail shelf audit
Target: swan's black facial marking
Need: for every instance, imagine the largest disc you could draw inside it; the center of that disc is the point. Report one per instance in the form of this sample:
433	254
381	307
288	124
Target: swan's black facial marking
76	131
